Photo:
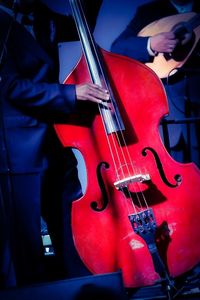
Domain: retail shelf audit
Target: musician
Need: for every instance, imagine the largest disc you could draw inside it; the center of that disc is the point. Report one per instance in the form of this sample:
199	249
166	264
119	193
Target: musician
34	167
182	88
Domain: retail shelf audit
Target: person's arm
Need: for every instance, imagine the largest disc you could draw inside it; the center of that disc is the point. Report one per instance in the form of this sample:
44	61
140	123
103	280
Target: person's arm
43	97
143	48
129	44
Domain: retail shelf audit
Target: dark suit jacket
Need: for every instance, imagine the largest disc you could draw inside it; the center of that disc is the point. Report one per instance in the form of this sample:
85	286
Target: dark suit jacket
29	100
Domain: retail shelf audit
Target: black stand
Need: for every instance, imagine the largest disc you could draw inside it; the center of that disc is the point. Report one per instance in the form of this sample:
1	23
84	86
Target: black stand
166	138
187	286
184	75
144	224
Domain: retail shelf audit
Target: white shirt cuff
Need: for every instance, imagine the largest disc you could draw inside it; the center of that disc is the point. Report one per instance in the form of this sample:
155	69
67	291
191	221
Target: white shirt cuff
150	51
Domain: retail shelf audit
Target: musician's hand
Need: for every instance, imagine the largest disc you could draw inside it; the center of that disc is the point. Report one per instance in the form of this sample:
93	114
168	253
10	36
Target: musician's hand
164	42
91	92
186	33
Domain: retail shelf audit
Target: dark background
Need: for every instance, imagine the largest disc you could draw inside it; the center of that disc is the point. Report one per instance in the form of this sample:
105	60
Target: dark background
113	17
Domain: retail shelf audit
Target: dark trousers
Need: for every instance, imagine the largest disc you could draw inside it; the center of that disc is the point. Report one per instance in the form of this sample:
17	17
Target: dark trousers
24	199
21	251
56	206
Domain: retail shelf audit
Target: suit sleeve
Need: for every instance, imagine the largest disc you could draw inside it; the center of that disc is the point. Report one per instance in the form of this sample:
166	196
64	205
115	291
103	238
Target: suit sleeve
30	93
36	96
42	96
129	44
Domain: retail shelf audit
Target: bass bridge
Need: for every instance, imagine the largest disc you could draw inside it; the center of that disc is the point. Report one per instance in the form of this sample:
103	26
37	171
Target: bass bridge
123	183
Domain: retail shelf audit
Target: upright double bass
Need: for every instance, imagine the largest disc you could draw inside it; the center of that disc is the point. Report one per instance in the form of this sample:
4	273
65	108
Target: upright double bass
140	211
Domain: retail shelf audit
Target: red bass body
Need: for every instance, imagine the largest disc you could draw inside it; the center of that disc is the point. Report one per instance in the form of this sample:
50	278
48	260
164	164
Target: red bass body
102	232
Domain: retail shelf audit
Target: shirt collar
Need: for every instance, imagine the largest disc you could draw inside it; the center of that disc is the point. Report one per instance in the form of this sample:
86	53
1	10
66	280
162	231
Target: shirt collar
7	10
11	13
18	18
183	8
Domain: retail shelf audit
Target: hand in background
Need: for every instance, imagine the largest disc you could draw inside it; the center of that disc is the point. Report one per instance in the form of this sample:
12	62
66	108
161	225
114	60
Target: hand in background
164	42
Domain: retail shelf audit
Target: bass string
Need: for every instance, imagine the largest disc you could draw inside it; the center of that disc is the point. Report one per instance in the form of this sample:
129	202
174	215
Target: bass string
78	11
126	162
